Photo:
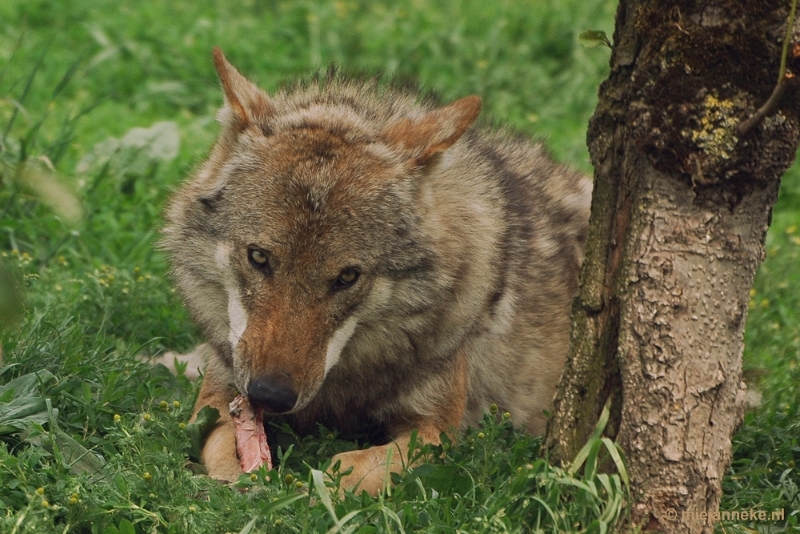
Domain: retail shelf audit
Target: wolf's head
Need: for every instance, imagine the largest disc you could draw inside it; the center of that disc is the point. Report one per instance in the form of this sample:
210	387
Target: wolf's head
297	230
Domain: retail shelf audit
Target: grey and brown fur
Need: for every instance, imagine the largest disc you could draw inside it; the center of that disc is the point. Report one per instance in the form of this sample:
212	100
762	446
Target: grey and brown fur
466	245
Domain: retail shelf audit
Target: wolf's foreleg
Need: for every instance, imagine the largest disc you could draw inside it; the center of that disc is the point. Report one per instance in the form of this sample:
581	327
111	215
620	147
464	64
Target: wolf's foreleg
219	450
372	466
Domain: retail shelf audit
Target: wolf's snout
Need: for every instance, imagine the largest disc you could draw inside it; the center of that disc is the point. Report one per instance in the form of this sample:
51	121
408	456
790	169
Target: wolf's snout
274	393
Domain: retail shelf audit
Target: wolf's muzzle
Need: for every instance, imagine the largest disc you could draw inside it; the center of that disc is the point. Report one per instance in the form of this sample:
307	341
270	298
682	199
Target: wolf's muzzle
274	393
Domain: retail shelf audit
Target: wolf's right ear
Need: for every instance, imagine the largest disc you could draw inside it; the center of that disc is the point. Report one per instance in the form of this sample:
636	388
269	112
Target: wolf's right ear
245	103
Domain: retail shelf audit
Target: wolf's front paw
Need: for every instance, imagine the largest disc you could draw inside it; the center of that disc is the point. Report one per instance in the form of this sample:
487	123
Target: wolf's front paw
370	471
219	454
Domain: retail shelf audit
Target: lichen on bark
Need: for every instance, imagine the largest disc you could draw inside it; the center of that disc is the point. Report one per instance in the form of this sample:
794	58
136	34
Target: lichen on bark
713	61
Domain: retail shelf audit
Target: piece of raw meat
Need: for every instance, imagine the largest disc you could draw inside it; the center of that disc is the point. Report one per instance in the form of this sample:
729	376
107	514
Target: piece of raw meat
251	440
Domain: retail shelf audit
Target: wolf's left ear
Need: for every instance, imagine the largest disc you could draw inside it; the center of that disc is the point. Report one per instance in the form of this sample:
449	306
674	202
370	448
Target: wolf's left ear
246	104
434	132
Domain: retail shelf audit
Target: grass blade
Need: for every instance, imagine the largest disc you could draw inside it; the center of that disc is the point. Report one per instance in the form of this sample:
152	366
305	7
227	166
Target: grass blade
25	91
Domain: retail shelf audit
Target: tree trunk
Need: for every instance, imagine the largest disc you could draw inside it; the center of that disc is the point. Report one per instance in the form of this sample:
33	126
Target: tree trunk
680	211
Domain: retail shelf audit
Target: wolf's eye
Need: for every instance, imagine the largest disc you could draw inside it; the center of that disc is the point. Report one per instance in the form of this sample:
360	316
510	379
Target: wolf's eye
346	278
259	259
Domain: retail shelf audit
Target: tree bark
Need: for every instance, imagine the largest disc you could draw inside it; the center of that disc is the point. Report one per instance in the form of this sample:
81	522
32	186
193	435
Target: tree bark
679	216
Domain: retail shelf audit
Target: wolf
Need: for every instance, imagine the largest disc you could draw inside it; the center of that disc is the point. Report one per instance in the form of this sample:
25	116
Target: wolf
358	256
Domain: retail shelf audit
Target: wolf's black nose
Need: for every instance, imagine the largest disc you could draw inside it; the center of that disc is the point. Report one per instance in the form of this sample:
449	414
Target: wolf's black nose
274	393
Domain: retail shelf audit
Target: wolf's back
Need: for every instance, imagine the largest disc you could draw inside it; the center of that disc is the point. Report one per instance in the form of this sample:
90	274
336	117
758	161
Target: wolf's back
513	243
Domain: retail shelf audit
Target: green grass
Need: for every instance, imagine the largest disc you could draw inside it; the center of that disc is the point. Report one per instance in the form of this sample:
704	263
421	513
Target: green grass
76	78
